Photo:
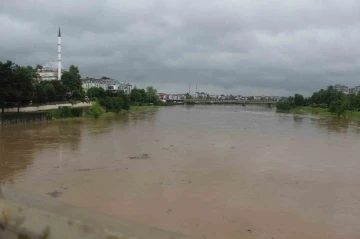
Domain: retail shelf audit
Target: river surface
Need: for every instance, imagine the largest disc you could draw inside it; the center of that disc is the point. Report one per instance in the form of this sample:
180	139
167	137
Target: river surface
206	171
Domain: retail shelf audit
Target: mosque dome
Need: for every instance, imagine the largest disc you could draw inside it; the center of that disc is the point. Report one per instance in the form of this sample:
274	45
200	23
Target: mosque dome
52	66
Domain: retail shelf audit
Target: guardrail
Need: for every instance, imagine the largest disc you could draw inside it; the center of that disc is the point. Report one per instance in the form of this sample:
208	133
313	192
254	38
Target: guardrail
25	216
229	101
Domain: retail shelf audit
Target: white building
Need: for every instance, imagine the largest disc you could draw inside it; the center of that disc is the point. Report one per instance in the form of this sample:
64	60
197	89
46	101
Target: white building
50	71
102	82
342	88
125	87
107	84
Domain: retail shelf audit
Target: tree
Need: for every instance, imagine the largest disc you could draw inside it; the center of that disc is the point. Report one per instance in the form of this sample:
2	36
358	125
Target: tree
143	94
118	104
60	90
16	83
6	72
23	82
299	100
50	91
339	107
38	67
96	110
152	95
41	95
135	95
72	81
96	92
125	100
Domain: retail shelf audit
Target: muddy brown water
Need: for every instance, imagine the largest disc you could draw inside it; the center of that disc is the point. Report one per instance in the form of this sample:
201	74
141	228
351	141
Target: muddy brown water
206	171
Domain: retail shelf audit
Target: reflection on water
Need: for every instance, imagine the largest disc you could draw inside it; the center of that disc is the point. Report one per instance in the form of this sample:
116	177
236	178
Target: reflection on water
210	171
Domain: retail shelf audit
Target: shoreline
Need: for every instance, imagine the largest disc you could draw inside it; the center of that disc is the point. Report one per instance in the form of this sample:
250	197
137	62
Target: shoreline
324	112
54	115
110	113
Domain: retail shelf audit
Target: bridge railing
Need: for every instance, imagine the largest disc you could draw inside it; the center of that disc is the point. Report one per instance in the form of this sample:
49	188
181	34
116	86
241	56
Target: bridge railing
238	101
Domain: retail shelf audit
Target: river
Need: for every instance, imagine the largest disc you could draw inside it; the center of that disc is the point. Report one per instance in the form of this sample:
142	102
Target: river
206	171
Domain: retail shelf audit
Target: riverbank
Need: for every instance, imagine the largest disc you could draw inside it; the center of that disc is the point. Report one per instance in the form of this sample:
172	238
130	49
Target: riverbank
132	109
56	116
324	112
64	113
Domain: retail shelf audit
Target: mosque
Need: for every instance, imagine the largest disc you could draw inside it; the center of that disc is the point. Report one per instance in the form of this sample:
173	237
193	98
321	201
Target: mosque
53	70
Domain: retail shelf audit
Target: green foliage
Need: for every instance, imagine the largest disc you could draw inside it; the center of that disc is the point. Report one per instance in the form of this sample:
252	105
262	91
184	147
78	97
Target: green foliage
329	99
65	111
77	112
50	91
54	113
283	106
95	92
125	99
339	107
326	96
118	104
72	81
16	83
323	106
152	95
60	90
41	95
135	95
299	100
96	110
38	67
21	85
143	94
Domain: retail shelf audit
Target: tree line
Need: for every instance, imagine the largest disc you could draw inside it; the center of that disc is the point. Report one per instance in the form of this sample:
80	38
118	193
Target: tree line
118	100
22	86
335	101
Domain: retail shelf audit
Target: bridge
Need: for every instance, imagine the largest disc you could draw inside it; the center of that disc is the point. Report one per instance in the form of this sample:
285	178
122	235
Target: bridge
240	102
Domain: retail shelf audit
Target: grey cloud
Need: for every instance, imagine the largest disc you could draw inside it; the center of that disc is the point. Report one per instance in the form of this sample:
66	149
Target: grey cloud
229	46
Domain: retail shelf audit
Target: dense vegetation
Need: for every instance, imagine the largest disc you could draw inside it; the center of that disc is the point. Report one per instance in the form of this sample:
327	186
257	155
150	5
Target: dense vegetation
21	86
333	101
117	101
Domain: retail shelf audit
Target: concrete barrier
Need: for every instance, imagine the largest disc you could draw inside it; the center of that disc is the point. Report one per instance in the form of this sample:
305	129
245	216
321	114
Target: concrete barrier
28	217
44	107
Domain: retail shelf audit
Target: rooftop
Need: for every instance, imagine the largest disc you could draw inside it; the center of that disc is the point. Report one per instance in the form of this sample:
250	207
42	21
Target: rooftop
52	66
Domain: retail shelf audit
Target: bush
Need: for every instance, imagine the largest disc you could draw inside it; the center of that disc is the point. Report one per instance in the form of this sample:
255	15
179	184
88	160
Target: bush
338	107
96	110
65	111
283	105
77	112
54	113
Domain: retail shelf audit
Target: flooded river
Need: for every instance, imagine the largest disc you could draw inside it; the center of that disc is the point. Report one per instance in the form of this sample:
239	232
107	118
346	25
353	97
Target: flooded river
207	171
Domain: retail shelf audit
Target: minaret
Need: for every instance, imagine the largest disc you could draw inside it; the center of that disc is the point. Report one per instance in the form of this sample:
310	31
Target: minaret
59	55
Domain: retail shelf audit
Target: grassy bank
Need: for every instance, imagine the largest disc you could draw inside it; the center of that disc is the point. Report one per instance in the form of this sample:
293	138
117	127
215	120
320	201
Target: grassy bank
132	109
137	108
58	114
324	112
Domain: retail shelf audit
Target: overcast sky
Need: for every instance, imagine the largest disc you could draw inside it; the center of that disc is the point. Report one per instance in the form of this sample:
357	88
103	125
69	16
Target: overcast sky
248	47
